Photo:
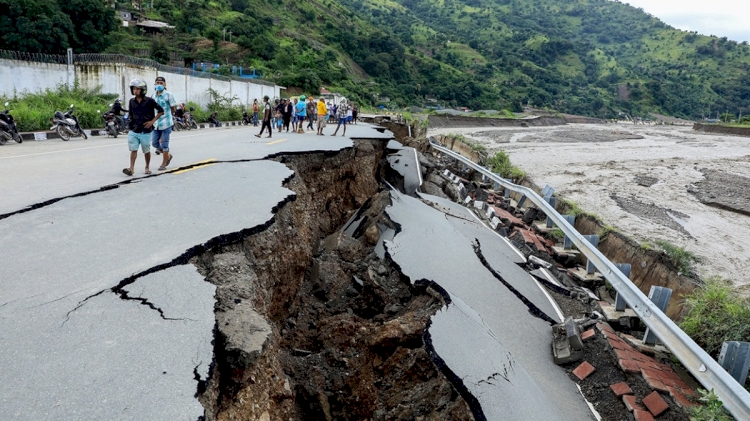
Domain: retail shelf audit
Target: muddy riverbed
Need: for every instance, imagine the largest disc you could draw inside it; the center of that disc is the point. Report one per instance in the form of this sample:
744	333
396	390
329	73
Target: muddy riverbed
650	182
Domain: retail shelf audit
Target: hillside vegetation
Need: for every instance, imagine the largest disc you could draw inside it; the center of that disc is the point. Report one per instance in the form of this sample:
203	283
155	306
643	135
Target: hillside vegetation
591	57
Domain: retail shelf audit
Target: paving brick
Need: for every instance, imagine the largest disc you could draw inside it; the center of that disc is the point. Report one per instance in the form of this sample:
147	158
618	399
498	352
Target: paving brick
680	399
629	366
629	401
605	327
620	389
652	378
588	334
642	415
655	403
505	215
618	344
584	370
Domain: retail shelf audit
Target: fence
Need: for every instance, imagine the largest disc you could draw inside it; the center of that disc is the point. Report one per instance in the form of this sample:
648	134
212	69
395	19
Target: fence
119	59
704	368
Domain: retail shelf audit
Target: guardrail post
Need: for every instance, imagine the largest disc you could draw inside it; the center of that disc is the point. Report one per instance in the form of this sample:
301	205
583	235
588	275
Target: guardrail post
659	296
620	303
735	358
552	202
548	191
521	202
567	242
594	241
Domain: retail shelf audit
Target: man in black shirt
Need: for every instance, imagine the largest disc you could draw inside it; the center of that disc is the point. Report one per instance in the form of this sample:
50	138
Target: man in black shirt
144	112
267	111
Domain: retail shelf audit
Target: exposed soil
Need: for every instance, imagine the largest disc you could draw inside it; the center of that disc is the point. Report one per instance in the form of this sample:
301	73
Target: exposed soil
311	324
666	217
723	190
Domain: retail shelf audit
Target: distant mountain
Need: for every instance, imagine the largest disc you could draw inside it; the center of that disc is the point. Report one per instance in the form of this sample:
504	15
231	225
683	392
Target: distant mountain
591	57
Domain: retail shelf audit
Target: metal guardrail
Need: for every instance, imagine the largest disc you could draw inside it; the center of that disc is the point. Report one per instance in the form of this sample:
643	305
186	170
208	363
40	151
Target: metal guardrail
704	368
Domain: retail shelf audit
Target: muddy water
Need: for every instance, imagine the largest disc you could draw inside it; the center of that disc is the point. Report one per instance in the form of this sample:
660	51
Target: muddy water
636	178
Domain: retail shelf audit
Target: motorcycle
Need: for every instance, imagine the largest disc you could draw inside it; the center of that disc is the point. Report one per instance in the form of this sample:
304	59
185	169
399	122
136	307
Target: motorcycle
110	124
67	125
246	119
181	123
8	128
190	120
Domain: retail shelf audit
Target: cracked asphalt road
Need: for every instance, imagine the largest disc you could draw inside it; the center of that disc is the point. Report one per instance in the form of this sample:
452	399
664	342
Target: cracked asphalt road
487	330
101	317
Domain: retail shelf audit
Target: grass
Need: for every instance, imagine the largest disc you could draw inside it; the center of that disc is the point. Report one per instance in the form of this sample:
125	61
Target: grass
715	314
712	409
33	111
681	258
572	208
500	164
556	233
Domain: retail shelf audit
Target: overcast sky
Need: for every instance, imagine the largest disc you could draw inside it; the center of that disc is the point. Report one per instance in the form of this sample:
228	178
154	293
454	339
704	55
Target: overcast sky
723	18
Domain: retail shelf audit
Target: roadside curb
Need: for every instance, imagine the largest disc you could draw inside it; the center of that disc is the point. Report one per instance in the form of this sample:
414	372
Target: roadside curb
47	135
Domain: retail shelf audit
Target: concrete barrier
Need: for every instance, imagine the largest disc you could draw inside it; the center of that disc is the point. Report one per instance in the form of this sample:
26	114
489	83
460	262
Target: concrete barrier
437	121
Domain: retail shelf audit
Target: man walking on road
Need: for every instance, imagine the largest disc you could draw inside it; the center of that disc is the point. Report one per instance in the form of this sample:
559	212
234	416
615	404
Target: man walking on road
312	110
144	112
301	114
342	111
267	111
163	126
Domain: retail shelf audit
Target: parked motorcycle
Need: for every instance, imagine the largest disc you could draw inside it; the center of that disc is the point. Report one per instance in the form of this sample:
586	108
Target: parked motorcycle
189	118
246	119
110	124
8	128
67	125
181	124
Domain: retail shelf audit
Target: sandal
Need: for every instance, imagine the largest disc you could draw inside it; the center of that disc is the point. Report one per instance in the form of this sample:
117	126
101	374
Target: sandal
148	171
157	151
169	160
127	171
257	135
162	168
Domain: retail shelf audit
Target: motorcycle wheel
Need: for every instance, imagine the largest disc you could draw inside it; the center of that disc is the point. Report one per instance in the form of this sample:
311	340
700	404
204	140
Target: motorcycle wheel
64	135
83	135
112	131
194	124
17	138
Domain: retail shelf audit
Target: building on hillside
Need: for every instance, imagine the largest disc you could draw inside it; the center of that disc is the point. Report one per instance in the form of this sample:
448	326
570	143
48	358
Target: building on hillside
153	26
332	97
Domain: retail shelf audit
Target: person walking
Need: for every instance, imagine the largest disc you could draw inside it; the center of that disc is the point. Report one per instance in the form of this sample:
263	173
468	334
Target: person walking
163	127
287	113
355	112
256	108
144	112
267	113
311	111
301	114
342	111
322	114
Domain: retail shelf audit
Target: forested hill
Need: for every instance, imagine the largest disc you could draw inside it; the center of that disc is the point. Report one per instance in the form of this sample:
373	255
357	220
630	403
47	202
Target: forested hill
592	57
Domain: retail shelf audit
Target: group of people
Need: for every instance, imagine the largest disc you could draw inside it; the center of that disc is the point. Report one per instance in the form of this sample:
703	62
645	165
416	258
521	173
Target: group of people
150	123
294	113
151	119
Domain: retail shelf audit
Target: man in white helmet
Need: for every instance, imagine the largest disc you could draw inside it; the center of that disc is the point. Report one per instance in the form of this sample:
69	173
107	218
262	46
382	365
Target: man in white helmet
144	112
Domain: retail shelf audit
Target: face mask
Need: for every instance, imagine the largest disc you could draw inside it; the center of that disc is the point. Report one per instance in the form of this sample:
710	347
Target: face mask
159	88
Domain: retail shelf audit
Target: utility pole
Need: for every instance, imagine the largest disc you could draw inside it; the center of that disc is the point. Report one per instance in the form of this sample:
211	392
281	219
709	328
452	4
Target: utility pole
230	36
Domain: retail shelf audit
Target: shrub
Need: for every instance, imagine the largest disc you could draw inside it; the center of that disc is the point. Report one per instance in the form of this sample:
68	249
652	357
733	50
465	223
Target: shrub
34	110
681	258
500	164
715	313
712	408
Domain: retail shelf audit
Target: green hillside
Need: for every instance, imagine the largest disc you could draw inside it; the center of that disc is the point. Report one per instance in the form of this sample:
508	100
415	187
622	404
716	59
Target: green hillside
591	57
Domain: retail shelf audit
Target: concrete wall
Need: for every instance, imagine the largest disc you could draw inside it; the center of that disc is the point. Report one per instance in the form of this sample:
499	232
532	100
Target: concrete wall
21	76
24	76
715	128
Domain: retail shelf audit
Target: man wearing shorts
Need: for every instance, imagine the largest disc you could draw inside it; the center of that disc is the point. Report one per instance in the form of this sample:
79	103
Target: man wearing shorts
144	112
301	109
322	115
342	111
163	126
